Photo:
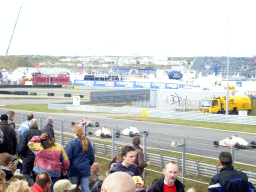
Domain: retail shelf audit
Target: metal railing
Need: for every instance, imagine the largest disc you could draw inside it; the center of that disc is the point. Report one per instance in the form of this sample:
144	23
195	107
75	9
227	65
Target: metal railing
188	167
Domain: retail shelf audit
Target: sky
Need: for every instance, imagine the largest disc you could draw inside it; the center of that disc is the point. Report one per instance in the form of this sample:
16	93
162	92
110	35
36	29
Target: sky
176	28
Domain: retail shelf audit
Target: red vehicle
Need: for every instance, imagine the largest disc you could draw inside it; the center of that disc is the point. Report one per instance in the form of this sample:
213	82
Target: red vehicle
39	79
86	122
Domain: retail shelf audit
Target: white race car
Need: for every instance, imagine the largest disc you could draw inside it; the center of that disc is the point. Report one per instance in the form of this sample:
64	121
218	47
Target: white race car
132	131
104	132
238	142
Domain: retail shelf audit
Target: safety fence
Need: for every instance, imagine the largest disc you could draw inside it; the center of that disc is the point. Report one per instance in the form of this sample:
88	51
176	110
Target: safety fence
188	167
186	147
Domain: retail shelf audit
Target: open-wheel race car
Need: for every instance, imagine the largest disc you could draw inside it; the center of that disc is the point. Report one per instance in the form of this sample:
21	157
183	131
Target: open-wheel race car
131	131
238	142
104	132
86	122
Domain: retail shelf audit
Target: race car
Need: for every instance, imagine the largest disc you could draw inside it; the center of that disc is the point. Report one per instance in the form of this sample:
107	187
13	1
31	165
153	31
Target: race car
86	122
238	142
104	132
131	131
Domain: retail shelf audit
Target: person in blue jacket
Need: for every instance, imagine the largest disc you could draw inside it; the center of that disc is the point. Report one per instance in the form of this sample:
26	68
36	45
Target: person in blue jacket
81	156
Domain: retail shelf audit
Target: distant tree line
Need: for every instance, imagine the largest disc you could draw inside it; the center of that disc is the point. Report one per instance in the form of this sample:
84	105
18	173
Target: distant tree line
10	63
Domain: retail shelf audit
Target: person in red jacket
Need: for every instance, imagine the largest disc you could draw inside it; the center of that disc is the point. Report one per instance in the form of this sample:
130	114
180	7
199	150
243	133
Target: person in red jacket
43	183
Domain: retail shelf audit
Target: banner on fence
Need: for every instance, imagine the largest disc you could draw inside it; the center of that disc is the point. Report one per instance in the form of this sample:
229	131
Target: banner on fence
130	84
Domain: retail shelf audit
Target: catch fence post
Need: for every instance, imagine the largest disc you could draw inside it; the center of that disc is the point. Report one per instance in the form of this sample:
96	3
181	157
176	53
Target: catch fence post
85	129
61	133
183	158
233	152
40	123
144	150
23	117
113	143
183	145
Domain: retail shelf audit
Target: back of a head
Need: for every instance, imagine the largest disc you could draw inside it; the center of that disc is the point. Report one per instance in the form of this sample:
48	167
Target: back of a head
225	158
42	179
48	142
191	190
30	116
95	165
33	122
118	182
17	186
136	140
49	120
5	159
80	134
4	117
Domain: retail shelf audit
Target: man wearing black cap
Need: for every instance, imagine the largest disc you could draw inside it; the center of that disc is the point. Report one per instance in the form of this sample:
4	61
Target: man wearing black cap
9	144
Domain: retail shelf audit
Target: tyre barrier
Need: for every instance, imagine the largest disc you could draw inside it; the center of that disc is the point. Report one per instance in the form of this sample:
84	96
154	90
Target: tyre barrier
50	94
5	92
67	95
33	93
14	92
21	92
81	96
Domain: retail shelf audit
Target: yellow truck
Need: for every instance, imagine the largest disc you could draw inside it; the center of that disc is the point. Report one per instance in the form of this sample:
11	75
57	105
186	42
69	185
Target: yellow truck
218	105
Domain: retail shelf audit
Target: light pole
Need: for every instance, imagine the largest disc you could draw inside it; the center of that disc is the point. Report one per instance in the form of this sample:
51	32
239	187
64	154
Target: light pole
13	30
228	67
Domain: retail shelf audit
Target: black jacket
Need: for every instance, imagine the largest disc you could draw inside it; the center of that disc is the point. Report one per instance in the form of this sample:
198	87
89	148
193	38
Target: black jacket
9	144
230	180
48	128
25	138
158	186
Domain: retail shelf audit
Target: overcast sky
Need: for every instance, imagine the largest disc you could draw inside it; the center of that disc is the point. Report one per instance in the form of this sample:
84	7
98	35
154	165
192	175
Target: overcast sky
119	27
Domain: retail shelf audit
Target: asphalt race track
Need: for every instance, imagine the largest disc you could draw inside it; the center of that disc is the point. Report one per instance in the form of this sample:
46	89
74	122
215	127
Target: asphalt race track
200	140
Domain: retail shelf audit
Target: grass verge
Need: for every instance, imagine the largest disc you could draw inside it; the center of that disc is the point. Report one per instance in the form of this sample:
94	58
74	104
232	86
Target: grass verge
40	108
203	124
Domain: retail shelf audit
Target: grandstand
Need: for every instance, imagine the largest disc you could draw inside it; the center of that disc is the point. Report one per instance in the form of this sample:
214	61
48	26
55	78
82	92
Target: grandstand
244	66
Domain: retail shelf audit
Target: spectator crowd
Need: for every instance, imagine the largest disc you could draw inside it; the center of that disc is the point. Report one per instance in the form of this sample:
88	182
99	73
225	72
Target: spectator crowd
46	166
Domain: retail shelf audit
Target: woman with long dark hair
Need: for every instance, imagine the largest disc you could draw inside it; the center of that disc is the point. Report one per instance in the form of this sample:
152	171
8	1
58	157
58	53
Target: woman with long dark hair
50	157
81	156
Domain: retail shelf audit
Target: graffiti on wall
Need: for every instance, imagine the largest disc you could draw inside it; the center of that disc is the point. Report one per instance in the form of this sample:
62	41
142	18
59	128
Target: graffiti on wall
175	100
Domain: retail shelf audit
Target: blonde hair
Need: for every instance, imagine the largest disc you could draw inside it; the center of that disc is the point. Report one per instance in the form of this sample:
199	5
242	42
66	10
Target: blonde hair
80	134
191	190
18	186
2	174
2	179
